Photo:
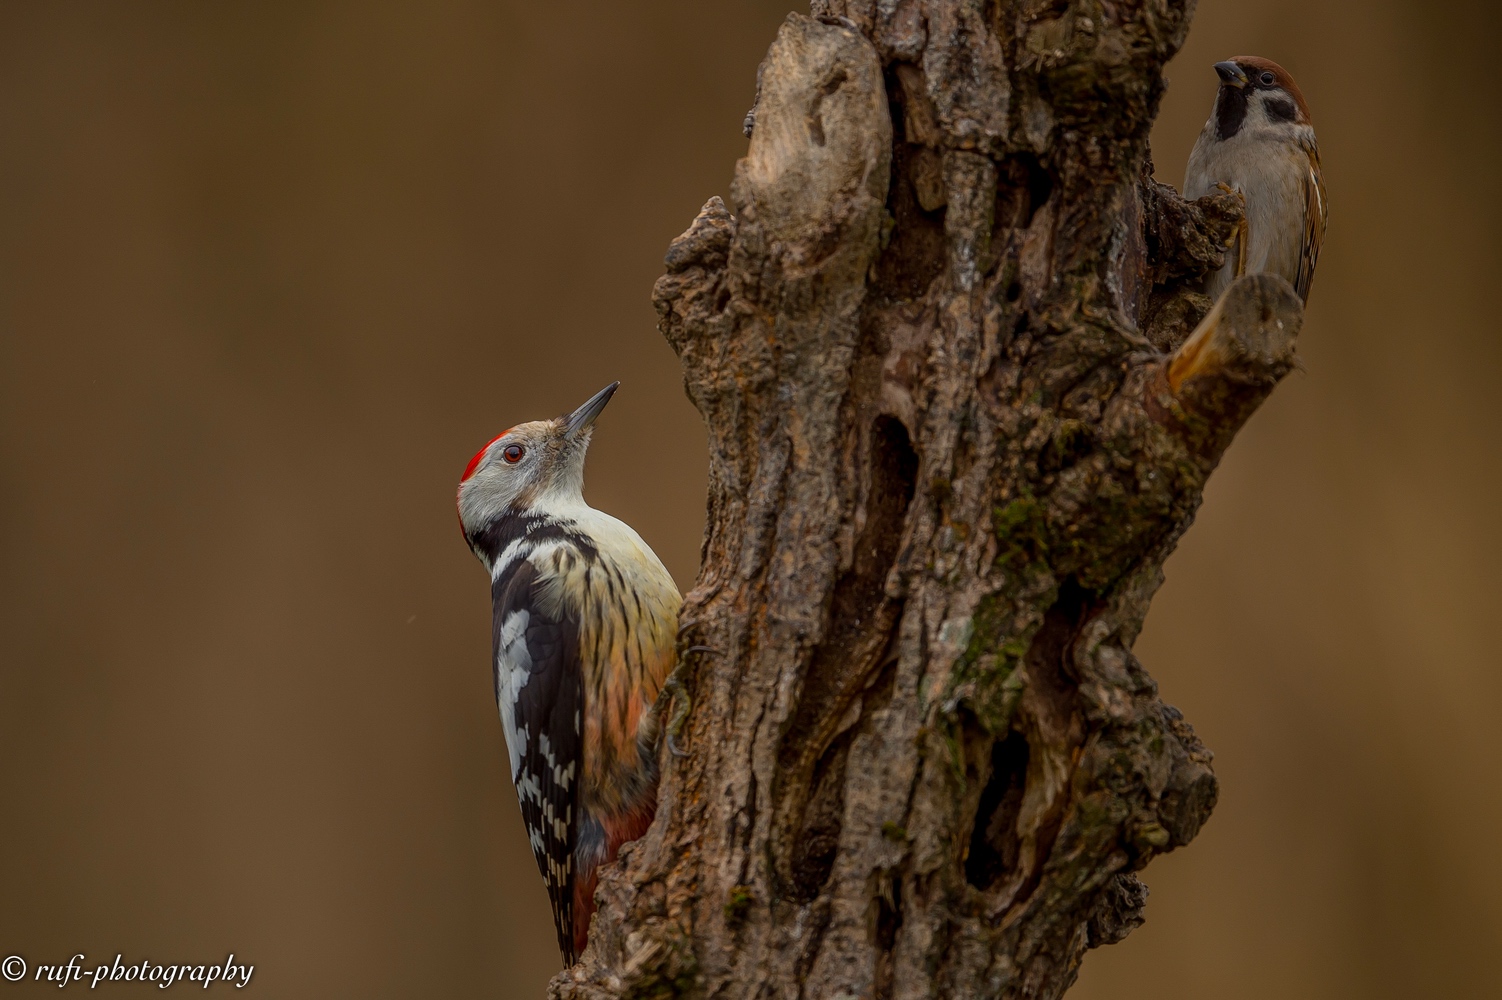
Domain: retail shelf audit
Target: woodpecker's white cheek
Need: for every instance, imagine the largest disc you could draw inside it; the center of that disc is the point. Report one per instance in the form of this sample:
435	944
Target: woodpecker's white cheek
491	493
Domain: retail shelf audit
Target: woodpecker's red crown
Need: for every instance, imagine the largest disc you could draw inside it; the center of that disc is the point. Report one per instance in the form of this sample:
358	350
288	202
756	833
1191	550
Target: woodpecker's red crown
469	470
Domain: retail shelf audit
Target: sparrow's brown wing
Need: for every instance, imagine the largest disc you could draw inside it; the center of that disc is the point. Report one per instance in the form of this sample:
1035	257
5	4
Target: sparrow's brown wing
1315	214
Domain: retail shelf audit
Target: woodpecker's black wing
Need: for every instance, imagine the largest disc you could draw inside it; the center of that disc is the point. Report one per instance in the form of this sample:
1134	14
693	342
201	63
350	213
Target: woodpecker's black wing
539	689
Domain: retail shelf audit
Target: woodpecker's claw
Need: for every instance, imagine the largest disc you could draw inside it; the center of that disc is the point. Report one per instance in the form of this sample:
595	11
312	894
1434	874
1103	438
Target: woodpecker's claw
677	693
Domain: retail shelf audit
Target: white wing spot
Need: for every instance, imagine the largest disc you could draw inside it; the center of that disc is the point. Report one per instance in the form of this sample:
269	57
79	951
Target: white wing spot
527	787
513	669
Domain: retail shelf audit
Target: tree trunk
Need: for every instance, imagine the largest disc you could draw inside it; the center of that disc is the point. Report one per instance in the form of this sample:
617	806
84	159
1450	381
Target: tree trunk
955	427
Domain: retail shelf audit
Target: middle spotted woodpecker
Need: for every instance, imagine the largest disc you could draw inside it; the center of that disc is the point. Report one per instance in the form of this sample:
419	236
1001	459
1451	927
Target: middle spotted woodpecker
583	631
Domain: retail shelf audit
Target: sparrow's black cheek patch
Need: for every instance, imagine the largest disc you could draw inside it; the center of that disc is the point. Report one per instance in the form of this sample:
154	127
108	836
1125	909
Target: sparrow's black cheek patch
1230	112
1281	109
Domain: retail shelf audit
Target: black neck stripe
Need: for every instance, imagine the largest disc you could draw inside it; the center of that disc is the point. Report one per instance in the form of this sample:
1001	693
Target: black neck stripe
493	538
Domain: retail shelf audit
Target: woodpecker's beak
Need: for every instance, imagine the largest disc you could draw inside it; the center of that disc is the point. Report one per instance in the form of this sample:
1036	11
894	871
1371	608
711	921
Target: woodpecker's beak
580	420
1231	74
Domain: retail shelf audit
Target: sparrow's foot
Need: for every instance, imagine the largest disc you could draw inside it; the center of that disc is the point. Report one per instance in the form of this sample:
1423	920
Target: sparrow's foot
1239	242
1228	189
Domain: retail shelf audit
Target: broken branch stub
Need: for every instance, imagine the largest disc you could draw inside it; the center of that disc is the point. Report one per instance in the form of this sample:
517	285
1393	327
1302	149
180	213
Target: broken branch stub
1233	359
952	434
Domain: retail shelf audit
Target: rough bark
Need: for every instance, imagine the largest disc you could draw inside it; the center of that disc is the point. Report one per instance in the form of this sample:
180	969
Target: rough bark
953	435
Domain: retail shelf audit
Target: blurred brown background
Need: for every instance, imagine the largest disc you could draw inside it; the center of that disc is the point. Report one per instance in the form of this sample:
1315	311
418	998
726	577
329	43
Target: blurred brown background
270	273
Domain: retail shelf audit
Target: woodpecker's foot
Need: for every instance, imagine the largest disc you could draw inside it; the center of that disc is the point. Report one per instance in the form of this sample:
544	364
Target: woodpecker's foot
677	692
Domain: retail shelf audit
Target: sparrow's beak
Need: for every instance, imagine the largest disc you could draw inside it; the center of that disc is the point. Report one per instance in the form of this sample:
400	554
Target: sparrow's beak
1231	74
580	420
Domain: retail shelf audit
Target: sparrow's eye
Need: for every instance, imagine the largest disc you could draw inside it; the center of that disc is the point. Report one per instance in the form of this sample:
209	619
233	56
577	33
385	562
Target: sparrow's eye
1268	79
513	453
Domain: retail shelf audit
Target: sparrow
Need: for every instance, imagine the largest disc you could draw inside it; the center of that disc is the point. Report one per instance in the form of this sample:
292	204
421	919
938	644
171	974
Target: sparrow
1259	145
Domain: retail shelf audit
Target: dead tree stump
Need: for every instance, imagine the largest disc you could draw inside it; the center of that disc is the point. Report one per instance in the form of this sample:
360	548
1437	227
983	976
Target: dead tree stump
953	435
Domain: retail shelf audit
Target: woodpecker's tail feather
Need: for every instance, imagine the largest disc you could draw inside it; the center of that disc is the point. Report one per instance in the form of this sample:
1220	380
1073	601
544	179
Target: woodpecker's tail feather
618	830
570	943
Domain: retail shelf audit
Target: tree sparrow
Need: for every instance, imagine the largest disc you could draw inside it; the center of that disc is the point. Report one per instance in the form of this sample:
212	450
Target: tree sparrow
1259	144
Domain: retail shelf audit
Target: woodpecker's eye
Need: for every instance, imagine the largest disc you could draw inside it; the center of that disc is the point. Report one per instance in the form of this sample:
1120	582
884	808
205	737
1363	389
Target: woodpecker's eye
513	453
1268	79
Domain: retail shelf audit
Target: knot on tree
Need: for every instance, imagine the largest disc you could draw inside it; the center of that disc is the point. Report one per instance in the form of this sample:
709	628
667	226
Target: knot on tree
958	412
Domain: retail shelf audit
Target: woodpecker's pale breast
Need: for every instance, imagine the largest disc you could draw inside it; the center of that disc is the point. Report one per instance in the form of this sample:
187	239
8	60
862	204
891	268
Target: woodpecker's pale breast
627	607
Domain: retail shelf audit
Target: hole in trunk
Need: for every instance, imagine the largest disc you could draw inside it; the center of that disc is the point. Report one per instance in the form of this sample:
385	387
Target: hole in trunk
1023	185
1039	185
861	620
915	254
819	842
993	844
860	617
996	848
888	923
889	916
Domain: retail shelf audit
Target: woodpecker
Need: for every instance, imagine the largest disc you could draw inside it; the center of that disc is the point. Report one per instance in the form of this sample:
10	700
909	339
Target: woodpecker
584	627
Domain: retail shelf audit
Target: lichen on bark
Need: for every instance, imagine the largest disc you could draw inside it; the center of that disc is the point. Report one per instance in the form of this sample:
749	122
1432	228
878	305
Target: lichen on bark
954	429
